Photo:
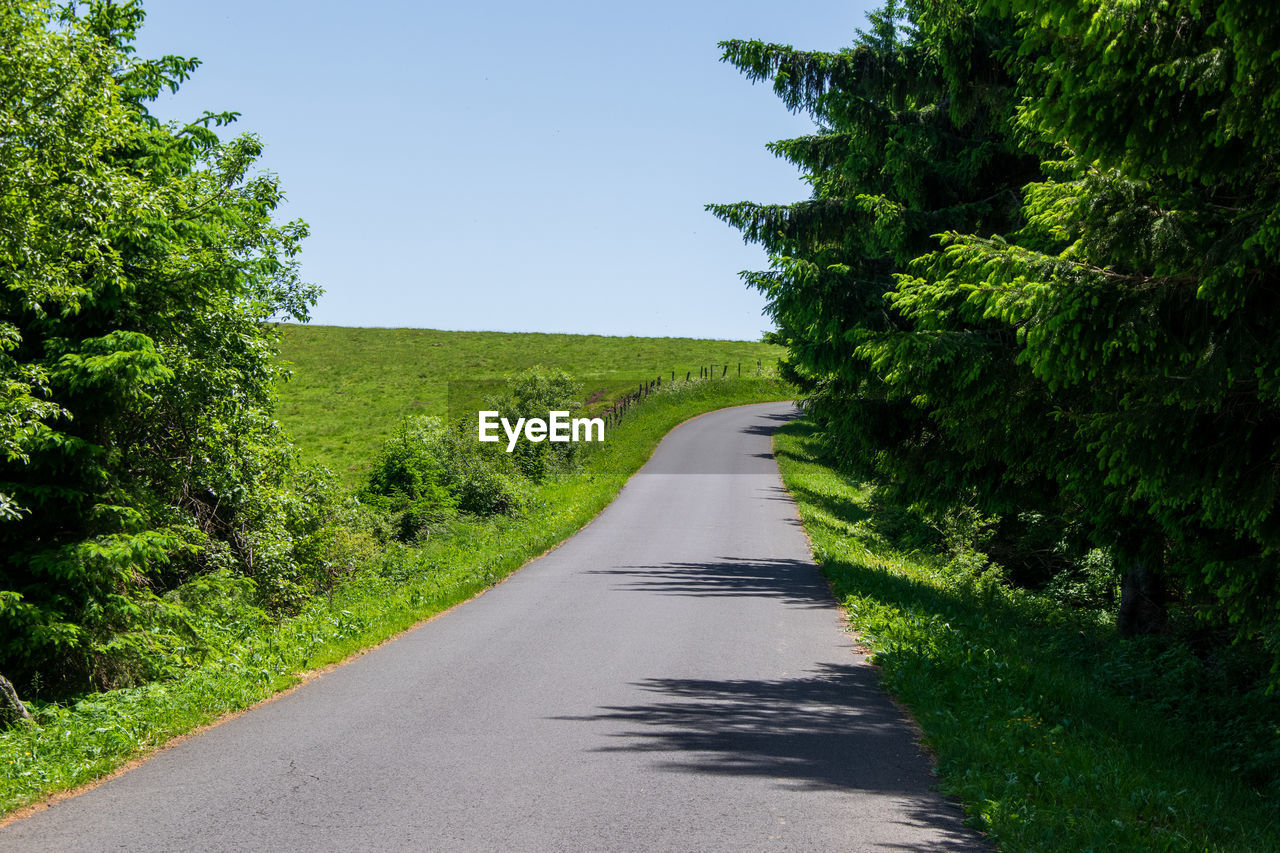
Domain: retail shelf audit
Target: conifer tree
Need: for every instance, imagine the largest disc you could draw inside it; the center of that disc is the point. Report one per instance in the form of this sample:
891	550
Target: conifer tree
914	139
1042	249
1143	286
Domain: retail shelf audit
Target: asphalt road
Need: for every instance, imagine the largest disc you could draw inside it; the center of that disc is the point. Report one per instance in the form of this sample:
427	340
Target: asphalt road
675	677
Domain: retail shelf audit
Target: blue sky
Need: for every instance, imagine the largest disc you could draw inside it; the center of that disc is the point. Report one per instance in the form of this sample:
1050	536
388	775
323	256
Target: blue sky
509	166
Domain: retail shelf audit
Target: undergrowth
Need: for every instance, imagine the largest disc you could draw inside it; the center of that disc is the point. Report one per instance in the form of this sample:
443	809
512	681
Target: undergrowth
1052	732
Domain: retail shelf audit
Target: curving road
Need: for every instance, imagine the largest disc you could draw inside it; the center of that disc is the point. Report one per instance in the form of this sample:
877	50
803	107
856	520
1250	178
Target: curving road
675	677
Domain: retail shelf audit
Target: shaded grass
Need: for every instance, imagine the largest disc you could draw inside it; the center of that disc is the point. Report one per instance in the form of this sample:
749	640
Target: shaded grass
403	585
1018	696
352	387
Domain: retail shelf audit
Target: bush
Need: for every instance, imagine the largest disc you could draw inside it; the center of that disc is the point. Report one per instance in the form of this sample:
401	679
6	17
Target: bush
409	480
536	393
428	472
143	267
485	479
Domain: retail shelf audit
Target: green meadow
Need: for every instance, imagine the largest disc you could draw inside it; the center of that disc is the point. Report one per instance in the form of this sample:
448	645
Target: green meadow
351	387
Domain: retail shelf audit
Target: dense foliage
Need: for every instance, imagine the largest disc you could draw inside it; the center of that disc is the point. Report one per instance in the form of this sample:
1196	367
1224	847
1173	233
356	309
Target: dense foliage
1035	288
1052	735
140	266
431	470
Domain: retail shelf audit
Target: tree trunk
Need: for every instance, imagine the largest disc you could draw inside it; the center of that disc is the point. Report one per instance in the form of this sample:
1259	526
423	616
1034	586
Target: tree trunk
11	707
1142	600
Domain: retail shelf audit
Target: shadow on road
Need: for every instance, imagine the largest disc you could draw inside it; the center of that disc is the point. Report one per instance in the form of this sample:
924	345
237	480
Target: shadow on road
830	729
795	582
772	422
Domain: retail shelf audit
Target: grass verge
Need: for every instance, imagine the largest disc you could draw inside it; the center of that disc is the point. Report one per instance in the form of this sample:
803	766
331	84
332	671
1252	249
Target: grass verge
402	586
1036	728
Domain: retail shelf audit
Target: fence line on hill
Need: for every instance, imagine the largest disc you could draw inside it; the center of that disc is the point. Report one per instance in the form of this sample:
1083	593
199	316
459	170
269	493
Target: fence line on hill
613	414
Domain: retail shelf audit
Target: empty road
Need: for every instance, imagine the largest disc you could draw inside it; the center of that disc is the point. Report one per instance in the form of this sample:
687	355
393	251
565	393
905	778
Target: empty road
674	677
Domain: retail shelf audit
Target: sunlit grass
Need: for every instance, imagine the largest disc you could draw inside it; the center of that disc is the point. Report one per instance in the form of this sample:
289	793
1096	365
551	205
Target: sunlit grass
351	387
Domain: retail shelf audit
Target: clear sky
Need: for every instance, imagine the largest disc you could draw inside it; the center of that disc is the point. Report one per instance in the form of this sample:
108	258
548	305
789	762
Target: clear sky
510	166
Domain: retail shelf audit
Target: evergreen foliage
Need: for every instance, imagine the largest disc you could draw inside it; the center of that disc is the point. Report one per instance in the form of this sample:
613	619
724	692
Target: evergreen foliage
1037	279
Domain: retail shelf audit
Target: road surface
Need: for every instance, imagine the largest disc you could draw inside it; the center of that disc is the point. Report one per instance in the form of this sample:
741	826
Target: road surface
674	677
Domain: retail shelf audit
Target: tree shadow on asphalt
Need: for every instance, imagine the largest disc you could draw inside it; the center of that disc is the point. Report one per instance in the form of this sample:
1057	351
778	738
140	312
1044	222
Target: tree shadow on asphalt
794	582
775	420
830	729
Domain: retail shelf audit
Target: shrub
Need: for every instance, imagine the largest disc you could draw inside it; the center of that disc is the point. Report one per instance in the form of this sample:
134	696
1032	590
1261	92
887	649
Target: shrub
536	393
409	480
428	472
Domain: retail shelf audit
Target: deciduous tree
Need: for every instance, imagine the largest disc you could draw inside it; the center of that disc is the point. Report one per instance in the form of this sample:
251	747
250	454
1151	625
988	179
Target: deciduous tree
141	267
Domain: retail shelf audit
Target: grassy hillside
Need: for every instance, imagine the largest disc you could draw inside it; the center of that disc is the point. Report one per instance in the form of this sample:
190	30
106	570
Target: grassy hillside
352	386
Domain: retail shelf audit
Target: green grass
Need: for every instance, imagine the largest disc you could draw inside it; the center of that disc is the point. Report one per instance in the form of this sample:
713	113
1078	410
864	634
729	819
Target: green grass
351	387
1023	701
400	586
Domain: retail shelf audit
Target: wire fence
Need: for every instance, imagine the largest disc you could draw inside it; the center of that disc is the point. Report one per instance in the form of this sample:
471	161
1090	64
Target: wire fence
623	404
